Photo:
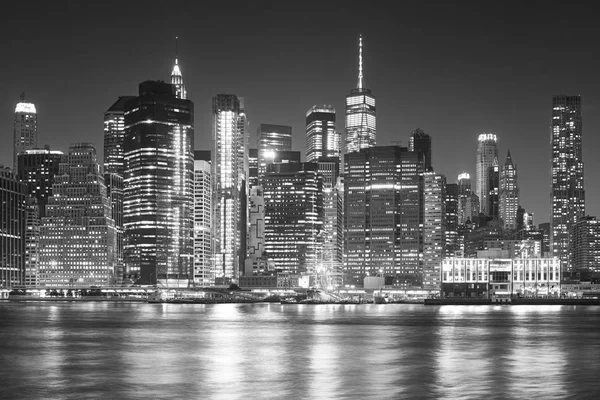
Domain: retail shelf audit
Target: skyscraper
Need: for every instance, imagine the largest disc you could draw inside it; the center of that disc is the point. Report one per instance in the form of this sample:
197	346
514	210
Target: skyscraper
434	227
494	190
452	244
465	195
585	245
159	178
271	139
12	228
24	129
322	140
203	218
568	193
382	193
77	236
114	133
361	126
227	186
509	193
421	142
487	154
177	77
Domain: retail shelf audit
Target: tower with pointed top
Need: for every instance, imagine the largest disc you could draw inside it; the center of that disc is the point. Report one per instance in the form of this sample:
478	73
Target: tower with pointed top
361	124
509	193
487	152
24	128
177	77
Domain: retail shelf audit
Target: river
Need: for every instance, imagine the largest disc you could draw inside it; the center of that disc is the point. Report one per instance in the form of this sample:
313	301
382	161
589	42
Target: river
91	350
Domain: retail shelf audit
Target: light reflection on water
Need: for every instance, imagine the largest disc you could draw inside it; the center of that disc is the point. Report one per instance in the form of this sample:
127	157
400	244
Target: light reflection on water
274	351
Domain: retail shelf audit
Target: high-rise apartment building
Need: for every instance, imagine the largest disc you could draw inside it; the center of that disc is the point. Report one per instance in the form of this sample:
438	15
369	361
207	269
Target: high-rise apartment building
78	242
203	274
487	154
509	194
322	139
585	245
227	187
272	139
421	142
568	193
159	184
293	216
12	228
25	135
382	193
114	133
434	228
361	124
36	169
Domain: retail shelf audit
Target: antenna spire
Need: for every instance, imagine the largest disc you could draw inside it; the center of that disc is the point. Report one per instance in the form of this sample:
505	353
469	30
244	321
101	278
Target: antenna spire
176	49
360	69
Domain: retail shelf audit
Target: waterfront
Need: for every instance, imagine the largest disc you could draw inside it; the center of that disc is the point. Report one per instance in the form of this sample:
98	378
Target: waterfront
137	350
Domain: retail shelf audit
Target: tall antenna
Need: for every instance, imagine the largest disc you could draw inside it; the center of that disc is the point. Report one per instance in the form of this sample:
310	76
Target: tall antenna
360	72
176	49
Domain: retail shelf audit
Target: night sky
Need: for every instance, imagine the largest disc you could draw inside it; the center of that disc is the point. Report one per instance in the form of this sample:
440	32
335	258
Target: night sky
453	70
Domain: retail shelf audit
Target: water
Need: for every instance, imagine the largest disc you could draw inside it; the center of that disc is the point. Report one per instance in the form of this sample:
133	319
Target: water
272	351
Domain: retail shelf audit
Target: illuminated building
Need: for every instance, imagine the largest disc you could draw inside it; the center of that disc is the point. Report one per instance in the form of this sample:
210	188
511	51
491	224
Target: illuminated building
487	153
452	244
78	240
421	142
434	228
36	168
322	140
115	194
252	168
227	187
243	178
382	192
293	216
509	194
468	202
568	193
494	191
500	277
159	184
272	139
256	263
361	127
203	243
177	78
585	245
330	252
114	133
12	228
24	128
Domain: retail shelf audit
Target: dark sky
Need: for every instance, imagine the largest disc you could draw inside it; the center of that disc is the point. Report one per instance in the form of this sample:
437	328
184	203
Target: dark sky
454	70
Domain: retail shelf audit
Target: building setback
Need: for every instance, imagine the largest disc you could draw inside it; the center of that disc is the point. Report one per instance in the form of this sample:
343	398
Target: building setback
78	241
158	182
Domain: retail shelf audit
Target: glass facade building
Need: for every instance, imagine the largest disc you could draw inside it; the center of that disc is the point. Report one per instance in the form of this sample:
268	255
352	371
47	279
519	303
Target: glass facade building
434	228
509	194
114	133
322	139
159	184
203	220
568	193
25	134
487	154
271	140
12	228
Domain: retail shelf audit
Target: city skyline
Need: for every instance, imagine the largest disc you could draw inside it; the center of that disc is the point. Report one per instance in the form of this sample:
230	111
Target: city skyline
454	87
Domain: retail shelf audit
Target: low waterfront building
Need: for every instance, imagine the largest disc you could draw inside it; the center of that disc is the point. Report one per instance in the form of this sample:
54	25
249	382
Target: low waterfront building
500	277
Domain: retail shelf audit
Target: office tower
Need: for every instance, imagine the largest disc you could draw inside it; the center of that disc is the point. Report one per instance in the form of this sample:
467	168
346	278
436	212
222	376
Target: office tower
227	187
12	228
252	168
568	193
293	216
361	125
115	194
114	133
177	77
434	228
487	154
256	263
421	142
203	274
585	245
330	250
452	244
546	231
25	135
77	236
243	172
159	183
509	194
272	139
36	169
464	195
382	192
494	191
322	140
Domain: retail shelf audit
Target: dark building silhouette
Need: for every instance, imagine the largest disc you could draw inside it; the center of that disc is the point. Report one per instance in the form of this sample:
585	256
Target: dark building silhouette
420	142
